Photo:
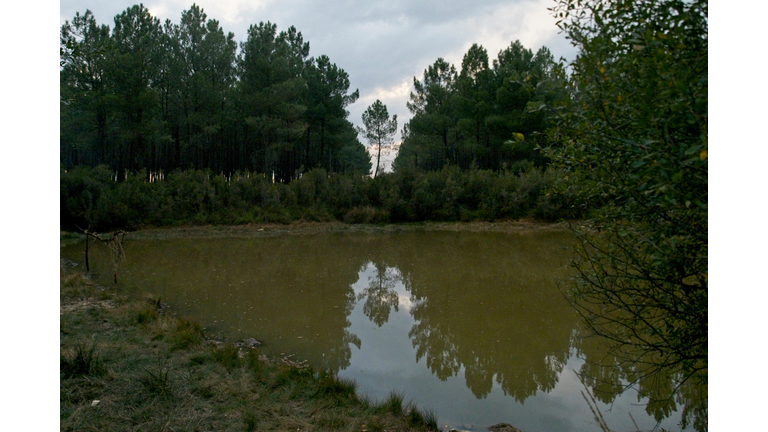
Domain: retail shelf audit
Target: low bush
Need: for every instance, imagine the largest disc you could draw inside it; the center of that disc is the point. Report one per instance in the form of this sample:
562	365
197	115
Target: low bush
91	198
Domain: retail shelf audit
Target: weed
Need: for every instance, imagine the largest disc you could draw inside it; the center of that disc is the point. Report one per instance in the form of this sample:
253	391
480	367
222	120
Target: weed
253	362
288	374
157	381
251	421
147	315
198	359
340	389
227	355
85	361
203	391
155	302
430	420
186	333
76	286
392	404
373	425
418	420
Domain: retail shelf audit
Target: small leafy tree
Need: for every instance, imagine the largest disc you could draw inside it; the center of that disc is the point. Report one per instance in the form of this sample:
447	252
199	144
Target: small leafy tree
379	128
634	143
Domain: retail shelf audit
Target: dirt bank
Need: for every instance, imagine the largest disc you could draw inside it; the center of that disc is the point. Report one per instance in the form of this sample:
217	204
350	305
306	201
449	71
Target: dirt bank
271	229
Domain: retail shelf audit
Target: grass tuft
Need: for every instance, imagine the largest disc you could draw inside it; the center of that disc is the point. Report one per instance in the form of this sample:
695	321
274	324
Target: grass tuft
251	421
393	404
417	419
338	387
147	315
253	362
157	380
84	362
187	333
227	355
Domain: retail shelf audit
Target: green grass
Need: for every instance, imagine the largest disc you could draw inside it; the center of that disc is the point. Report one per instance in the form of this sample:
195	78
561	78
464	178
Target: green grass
152	371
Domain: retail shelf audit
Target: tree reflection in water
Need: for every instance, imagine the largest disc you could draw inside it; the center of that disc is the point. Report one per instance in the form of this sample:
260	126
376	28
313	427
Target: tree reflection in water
481	304
518	337
607	375
380	295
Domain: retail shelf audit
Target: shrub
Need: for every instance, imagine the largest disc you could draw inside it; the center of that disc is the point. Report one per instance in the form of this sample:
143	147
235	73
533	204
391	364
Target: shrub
366	214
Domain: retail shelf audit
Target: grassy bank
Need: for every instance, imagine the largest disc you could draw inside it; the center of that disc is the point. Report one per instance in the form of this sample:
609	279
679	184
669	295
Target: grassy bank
127	365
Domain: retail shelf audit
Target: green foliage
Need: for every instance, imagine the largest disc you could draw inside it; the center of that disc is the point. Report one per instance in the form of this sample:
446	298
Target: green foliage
159	97
468	119
92	198
633	141
367	214
379	129
81	197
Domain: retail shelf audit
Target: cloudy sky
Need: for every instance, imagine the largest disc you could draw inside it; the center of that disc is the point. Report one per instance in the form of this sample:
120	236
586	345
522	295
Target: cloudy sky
381	44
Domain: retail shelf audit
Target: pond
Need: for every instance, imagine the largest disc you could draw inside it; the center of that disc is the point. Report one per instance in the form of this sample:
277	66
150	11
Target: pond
472	325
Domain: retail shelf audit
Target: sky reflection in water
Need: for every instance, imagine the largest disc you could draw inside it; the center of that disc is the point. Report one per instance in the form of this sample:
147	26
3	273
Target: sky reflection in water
471	325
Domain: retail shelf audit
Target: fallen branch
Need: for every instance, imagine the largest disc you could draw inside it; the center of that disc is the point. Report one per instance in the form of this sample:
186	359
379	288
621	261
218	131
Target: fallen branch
113	243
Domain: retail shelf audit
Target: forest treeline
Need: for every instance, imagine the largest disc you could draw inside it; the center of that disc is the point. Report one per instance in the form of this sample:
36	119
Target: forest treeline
159	97
490	116
176	123
154	96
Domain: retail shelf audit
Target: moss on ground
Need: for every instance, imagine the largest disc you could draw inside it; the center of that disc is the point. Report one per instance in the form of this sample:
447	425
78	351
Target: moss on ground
126	365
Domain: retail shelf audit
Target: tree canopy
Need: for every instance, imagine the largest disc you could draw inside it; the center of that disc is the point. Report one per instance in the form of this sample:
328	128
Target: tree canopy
379	128
471	117
162	96
633	143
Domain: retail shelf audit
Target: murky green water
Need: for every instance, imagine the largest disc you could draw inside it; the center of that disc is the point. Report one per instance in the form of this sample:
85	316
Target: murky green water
471	325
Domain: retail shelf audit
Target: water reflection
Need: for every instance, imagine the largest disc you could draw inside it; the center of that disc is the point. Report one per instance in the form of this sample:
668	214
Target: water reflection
482	308
380	295
661	391
489	307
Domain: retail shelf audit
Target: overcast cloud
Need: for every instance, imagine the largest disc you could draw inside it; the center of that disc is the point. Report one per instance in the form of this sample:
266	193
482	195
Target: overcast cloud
382	45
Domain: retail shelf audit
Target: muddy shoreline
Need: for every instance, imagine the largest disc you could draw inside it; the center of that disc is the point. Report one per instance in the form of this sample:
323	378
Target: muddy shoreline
272	229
